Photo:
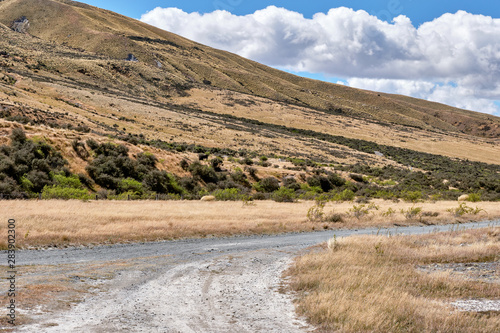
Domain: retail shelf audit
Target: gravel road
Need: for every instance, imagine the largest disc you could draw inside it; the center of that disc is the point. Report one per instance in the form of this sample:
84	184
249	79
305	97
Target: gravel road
208	285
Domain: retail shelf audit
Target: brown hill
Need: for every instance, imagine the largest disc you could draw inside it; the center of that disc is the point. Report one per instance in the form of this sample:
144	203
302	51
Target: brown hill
169	63
64	75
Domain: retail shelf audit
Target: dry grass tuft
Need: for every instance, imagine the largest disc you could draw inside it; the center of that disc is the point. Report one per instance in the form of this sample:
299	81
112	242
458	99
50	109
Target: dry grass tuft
372	283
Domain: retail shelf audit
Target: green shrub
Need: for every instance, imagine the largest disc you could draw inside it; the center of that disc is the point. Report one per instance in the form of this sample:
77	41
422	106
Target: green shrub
217	163
126	196
474	197
412	196
65	193
26	184
358	211
161	182
39	180
184	164
316	213
313	181
463	209
71	181
411	212
346	195
131	185
389	212
269	184
229	194
86	181
336	180
283	195
239	177
357	178
203	172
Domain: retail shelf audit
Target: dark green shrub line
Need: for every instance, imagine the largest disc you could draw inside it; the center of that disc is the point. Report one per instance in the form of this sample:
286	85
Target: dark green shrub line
27	167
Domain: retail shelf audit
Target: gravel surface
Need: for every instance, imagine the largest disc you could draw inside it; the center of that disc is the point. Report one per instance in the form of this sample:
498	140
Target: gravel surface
208	285
477	305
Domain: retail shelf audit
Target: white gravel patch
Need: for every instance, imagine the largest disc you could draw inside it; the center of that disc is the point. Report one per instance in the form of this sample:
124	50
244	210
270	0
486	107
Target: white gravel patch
477	305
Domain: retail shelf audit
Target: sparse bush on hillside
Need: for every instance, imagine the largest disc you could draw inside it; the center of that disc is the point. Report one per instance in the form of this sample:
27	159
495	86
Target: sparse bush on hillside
26	166
184	164
162	182
268	185
204	173
217	163
240	178
291	183
80	149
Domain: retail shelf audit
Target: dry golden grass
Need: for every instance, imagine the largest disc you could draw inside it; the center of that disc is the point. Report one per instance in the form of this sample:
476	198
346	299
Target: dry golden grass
238	86
372	283
65	223
242	105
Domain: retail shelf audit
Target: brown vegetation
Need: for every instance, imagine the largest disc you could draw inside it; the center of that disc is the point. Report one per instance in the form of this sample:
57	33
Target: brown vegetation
69	223
374	284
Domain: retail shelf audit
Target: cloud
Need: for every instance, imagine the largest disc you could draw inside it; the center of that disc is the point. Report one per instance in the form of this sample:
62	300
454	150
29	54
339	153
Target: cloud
448	93
461	48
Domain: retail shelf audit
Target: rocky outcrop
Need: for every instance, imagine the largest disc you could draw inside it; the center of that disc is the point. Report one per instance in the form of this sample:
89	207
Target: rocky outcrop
21	25
131	57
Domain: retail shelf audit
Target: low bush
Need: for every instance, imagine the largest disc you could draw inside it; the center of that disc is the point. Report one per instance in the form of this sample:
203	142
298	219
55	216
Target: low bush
65	193
131	185
316	213
333	217
412	196
360	211
284	195
229	194
474	197
269	184
162	182
411	212
463	209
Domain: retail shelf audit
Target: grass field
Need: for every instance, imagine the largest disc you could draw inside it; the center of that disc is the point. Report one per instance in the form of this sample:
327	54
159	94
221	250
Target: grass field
384	284
70	223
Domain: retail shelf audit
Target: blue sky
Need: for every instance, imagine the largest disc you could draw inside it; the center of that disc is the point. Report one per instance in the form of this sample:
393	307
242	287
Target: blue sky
418	11
407	47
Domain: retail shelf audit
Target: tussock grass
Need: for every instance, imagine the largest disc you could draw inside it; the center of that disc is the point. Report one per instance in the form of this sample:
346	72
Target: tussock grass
372	283
65	223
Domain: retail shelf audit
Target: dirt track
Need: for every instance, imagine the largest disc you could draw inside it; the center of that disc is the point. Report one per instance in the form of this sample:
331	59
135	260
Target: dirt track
209	285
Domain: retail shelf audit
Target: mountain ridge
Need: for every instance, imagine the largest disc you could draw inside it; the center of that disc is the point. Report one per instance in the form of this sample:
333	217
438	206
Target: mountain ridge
185	62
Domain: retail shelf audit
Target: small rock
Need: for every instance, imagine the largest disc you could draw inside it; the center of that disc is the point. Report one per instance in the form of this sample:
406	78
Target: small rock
21	25
131	57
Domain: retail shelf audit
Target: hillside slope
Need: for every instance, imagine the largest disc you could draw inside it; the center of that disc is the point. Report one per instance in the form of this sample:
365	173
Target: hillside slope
170	59
217	123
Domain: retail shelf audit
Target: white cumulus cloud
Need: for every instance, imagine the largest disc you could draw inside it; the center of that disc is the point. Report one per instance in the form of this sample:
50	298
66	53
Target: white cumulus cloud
454	59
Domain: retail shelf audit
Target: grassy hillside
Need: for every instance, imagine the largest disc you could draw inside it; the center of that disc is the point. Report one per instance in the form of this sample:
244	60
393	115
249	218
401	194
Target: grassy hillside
66	82
184	62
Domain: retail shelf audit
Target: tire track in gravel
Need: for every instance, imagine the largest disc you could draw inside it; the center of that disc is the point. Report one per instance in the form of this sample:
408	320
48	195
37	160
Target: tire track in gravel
208	285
